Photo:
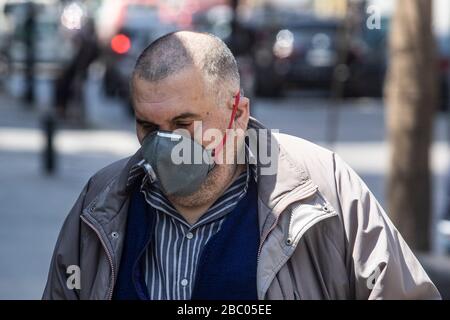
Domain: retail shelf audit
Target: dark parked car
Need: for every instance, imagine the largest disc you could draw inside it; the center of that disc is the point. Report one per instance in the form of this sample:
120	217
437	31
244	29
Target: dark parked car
443	44
368	70
298	52
303	51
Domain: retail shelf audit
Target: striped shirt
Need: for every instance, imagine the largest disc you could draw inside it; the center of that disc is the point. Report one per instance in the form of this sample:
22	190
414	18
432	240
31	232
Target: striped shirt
171	258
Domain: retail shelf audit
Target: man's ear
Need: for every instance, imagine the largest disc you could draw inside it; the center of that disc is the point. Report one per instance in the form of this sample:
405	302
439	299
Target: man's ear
243	113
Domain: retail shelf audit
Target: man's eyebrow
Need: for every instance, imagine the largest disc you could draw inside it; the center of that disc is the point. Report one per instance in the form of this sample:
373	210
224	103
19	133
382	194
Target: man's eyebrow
185	115
145	122
178	117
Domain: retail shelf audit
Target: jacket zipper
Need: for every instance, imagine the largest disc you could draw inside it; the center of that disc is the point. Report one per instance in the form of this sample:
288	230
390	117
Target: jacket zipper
266	235
111	287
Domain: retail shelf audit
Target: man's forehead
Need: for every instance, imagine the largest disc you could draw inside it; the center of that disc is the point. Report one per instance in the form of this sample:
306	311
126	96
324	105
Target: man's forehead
169	107
188	83
158	103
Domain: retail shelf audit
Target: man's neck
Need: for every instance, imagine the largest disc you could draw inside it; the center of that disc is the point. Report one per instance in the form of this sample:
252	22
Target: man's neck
193	214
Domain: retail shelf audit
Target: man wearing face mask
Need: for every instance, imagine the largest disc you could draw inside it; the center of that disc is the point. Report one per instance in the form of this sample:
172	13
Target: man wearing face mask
299	226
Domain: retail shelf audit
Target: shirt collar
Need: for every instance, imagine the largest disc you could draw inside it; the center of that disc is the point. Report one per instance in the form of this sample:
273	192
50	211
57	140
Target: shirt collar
220	208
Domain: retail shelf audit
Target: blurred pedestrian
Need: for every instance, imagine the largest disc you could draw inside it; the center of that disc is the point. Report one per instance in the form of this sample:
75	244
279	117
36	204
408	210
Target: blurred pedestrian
69	86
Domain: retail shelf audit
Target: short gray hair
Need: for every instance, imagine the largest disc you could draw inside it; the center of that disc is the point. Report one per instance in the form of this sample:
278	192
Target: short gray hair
175	51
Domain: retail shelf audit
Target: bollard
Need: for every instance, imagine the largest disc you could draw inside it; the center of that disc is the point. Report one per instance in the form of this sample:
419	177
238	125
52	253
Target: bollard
49	154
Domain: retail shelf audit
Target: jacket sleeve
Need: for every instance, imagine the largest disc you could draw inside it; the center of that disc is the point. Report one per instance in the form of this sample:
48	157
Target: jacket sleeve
382	265
65	260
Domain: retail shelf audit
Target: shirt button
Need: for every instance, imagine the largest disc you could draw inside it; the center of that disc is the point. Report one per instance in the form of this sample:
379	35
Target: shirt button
189	235
184	282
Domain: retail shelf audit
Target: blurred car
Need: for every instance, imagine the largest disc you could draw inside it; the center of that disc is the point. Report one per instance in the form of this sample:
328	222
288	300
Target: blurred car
443	44
368	71
299	50
292	49
216	20
138	27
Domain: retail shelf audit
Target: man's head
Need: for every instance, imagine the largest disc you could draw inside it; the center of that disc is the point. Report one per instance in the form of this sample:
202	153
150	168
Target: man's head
185	77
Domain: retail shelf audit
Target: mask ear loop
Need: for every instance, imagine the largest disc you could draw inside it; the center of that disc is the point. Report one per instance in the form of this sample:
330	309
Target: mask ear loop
219	148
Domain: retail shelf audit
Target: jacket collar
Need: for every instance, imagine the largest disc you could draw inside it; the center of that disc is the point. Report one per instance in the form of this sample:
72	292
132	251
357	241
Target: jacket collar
287	182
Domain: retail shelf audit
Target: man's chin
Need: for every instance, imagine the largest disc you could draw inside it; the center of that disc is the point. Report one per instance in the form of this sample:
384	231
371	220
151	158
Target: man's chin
195	199
213	186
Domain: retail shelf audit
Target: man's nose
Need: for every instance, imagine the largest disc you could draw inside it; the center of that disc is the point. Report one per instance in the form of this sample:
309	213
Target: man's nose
166	127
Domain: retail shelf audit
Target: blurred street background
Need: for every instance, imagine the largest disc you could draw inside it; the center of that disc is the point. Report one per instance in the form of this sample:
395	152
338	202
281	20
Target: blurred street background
312	68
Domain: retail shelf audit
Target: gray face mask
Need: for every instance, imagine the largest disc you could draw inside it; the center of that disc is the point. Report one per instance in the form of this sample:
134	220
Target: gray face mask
178	163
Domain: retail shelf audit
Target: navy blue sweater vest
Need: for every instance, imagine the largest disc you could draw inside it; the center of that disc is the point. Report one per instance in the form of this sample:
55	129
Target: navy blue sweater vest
227	265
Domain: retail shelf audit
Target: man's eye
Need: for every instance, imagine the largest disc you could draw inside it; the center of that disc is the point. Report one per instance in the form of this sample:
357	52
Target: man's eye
184	124
148	127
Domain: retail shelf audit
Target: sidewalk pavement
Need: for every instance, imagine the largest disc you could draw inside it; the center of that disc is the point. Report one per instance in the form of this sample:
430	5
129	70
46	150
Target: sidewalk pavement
33	205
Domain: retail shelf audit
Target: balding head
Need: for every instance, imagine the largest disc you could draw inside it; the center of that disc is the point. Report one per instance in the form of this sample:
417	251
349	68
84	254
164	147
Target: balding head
188	81
176	51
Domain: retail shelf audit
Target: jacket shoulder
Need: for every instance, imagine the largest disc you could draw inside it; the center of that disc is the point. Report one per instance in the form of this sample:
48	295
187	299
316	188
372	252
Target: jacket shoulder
317	162
103	177
310	155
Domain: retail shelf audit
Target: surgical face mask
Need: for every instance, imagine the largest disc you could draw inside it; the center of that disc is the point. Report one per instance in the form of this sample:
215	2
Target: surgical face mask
178	163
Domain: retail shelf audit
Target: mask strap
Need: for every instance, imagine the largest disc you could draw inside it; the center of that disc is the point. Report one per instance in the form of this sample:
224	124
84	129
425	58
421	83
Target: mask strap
219	148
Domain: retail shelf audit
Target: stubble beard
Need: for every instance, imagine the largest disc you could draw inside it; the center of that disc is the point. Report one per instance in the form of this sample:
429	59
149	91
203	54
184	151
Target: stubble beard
214	185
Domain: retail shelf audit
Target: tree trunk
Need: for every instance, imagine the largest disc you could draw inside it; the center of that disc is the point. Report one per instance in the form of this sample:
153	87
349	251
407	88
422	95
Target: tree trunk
411	98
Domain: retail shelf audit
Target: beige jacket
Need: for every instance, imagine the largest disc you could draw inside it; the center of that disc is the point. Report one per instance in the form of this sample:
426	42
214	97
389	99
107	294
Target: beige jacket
323	234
